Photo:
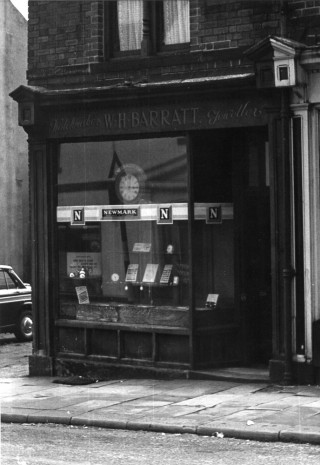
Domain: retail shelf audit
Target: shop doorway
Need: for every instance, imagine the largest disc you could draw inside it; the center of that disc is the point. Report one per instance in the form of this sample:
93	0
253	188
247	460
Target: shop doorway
231	167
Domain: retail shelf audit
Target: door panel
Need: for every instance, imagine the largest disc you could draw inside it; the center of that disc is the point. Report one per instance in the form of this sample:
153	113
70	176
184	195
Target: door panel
232	259
252	206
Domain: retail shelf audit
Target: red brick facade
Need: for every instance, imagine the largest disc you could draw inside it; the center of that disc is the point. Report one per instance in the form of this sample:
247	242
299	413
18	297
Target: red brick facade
67	38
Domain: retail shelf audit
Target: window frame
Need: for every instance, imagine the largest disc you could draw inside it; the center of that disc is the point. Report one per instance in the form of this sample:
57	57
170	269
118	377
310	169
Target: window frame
155	37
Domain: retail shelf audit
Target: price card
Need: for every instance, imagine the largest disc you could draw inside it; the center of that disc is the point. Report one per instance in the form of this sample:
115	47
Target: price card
132	273
212	300
82	294
141	247
150	273
166	274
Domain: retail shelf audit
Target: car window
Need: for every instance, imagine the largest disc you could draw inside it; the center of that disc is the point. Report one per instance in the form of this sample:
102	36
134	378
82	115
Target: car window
3	282
16	280
10	282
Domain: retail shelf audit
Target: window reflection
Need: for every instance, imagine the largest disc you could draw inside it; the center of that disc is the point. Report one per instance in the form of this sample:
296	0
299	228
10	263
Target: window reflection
123	252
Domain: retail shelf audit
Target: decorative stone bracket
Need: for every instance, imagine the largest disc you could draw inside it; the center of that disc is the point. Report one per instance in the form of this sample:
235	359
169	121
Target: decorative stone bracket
277	62
29	114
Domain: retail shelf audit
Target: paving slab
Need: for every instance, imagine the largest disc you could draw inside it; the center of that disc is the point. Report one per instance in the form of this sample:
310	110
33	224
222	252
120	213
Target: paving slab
168	398
174	410
276	405
209	400
194	390
297	419
88	406
53	403
11	410
149	402
22	390
220	411
249	415
314	404
244	389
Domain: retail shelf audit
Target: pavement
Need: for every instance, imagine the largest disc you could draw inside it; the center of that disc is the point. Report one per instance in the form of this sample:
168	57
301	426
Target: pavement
252	410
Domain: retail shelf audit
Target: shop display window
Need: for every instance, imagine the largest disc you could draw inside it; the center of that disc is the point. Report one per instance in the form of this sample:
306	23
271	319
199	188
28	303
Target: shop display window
123	222
124	228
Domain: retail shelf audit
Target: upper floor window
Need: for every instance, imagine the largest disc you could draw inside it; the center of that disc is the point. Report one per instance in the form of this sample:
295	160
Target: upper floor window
129	16
176	22
130	22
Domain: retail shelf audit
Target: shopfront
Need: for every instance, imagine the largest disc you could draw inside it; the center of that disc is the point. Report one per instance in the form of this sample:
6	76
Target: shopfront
158	245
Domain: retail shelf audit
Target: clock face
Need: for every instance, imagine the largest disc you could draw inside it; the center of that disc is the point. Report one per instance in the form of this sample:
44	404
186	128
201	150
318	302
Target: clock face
129	187
129	183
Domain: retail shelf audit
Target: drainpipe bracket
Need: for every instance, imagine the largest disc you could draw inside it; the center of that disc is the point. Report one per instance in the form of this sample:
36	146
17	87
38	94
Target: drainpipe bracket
289	272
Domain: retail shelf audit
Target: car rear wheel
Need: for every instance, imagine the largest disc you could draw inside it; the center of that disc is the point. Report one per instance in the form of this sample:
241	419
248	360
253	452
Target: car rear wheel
24	331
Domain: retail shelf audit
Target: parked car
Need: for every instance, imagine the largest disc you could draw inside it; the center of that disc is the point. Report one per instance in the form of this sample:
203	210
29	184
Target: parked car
15	305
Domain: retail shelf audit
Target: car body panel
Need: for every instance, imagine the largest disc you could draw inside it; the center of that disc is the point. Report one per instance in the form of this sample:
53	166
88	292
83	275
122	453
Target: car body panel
15	297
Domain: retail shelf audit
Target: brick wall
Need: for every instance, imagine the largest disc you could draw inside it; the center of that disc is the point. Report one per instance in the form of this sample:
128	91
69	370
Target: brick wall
237	24
304	21
66	40
303	8
64	33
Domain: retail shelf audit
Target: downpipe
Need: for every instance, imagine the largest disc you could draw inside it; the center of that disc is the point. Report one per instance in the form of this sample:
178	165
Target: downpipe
287	270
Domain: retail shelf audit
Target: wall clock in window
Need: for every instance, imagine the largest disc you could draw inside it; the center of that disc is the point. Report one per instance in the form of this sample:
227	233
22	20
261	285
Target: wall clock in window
130	183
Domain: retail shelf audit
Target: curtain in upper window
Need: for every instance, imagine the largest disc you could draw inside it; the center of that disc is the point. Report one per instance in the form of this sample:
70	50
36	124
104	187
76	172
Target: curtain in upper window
130	24
176	21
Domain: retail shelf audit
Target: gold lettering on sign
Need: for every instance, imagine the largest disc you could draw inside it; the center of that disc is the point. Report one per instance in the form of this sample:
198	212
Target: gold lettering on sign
157	119
70	124
122	120
109	120
244	111
164	118
151	118
154	118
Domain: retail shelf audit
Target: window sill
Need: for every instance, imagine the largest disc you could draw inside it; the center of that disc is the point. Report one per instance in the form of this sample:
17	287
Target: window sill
173	49
126	54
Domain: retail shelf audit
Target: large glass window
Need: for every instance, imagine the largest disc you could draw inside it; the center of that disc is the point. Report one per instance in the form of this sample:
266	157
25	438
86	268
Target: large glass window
122	222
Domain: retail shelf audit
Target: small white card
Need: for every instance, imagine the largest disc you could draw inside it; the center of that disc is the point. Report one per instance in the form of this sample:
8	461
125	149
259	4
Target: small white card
82	294
150	273
141	247
166	274
132	273
212	300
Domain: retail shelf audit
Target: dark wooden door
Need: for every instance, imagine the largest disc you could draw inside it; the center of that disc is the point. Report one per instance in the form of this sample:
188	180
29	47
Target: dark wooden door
253	246
233	259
